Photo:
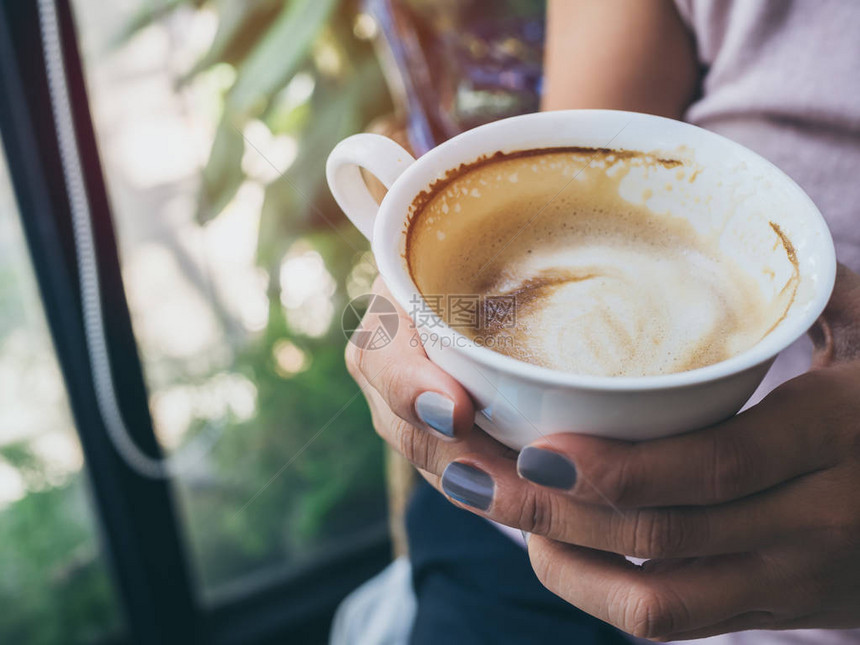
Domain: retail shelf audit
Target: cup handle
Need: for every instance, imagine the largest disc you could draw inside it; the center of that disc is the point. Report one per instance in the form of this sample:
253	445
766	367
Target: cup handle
378	155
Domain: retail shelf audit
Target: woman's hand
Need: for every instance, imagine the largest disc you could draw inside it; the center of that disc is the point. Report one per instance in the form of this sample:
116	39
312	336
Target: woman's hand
754	523
421	411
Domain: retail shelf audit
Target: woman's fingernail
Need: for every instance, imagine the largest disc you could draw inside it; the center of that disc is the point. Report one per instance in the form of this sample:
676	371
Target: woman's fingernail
468	485
437	411
526	536
546	468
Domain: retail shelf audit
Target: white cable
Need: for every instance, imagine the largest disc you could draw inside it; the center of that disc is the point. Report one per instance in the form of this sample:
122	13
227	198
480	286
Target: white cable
88	274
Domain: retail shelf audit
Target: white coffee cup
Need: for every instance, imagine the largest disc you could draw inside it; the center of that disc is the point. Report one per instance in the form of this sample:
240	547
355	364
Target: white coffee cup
732	188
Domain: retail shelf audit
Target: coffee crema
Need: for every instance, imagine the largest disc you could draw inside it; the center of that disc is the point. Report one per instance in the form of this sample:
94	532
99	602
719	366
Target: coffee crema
599	285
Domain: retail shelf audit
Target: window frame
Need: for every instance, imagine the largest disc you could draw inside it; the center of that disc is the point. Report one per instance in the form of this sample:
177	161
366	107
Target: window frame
140	533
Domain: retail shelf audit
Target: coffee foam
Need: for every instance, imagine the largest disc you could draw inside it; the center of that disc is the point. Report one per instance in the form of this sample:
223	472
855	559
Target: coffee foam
600	285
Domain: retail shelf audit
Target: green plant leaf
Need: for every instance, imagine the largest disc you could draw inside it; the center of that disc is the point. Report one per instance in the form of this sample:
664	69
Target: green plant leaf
281	51
287	121
240	23
223	173
292	199
299	201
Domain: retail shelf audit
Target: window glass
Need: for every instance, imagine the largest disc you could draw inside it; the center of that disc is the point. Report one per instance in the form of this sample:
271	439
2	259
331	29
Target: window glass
213	121
54	584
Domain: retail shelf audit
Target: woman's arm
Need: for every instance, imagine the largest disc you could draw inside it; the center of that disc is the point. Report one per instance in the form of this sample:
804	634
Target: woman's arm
618	54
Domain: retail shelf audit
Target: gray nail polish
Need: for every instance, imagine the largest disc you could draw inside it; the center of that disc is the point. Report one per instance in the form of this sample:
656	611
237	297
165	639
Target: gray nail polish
546	468
437	411
468	485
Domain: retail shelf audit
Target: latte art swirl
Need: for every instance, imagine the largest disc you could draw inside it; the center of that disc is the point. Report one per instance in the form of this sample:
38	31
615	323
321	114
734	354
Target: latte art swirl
614	311
599	285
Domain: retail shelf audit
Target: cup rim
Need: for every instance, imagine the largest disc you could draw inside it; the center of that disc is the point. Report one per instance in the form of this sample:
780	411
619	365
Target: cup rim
397	277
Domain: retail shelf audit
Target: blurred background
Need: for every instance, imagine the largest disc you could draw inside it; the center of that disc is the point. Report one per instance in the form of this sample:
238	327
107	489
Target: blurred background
213	120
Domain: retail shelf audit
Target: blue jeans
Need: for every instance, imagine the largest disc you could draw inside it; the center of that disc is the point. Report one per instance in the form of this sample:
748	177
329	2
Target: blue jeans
474	585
